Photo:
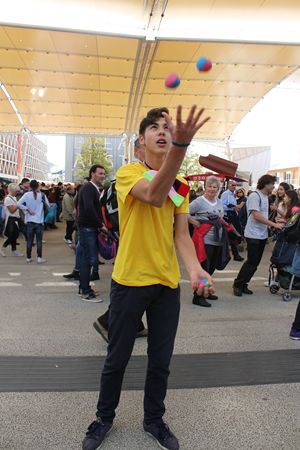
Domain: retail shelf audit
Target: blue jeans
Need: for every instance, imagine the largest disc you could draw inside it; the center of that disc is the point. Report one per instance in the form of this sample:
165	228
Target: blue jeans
94	262
295	267
89	255
34	229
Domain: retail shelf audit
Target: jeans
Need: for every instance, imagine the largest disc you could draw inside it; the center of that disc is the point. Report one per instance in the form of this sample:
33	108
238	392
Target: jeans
296	323
88	246
104	320
127	305
34	229
94	262
69	229
255	252
295	268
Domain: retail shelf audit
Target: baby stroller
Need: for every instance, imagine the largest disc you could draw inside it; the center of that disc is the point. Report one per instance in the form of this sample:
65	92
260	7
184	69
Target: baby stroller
282	270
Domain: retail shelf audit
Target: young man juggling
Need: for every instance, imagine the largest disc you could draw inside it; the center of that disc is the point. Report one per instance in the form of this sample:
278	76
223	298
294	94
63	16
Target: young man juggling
146	272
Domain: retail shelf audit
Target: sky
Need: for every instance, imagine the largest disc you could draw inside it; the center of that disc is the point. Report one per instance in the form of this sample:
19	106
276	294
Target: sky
273	121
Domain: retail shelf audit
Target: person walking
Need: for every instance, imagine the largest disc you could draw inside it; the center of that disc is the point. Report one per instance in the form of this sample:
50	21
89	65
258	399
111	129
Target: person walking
207	209
146	272
12	220
68	213
89	222
229	203
33	204
256	233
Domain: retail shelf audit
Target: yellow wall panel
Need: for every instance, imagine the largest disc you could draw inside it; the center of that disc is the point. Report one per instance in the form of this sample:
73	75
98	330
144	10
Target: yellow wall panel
26	38
118	47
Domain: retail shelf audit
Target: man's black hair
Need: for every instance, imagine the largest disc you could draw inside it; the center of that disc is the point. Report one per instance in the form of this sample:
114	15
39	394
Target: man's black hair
264	181
94	168
152	117
25	180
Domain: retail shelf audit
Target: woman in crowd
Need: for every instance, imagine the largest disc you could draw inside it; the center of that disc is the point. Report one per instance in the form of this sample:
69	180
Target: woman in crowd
280	206
292	203
241	207
33	204
207	217
12	218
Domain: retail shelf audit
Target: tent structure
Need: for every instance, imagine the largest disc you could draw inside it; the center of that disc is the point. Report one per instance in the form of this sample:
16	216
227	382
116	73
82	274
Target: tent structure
96	67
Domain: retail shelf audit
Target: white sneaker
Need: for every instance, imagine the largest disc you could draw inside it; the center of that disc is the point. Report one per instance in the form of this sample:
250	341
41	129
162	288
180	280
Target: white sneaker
68	241
15	253
266	283
29	260
41	260
2	252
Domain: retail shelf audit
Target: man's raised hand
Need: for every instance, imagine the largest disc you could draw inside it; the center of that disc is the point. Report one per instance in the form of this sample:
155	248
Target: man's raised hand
183	132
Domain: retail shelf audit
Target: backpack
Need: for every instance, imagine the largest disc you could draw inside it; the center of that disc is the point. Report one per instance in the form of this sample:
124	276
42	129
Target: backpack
109	207
292	229
107	245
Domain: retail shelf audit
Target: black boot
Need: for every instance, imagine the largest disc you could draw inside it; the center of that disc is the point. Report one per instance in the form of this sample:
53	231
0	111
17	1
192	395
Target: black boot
200	301
72	276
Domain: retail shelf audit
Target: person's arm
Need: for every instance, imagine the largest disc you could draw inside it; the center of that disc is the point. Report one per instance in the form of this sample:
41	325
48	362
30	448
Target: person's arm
156	191
260	218
240	206
187	251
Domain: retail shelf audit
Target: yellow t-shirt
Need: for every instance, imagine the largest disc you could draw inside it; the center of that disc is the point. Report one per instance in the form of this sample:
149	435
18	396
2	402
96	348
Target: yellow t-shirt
146	253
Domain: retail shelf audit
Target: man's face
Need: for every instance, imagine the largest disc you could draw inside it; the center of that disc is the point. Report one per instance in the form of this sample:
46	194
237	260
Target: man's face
270	187
98	177
232	186
157	139
26	185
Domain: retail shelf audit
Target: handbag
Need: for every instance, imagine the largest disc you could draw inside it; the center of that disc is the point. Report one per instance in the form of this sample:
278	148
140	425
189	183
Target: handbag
45	205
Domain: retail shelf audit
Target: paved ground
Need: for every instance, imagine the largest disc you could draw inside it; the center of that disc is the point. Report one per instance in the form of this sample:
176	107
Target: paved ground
41	315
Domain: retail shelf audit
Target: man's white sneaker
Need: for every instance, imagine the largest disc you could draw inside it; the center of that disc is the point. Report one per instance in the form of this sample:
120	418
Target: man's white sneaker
68	241
29	260
41	260
2	252
15	253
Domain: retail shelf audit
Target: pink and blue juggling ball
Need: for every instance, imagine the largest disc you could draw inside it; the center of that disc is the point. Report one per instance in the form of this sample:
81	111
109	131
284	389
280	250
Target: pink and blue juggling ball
172	81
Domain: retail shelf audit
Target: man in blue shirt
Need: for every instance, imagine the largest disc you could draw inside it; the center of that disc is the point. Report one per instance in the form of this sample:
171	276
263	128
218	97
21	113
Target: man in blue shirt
231	216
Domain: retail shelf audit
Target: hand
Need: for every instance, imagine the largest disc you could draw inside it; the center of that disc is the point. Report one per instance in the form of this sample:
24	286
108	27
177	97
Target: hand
30	212
194	222
195	276
184	132
278	226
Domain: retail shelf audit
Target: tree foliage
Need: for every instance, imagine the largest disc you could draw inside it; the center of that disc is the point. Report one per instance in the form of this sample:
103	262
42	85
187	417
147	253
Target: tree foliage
191	166
93	152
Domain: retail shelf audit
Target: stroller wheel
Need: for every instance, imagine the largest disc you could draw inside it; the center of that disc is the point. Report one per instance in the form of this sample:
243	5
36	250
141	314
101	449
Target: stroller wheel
274	288
286	296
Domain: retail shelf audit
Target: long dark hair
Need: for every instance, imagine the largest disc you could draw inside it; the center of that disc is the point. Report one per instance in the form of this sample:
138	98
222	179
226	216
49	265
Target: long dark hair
294	202
34	185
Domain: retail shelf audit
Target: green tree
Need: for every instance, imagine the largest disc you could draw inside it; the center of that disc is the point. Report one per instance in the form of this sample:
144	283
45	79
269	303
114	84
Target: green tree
191	166
93	152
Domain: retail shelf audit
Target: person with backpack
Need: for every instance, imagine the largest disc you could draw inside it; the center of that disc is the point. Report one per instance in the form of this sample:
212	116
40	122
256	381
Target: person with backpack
256	233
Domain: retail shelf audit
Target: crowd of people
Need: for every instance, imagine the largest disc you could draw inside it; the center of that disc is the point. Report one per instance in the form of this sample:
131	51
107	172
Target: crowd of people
208	227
